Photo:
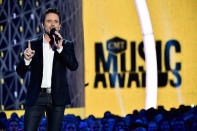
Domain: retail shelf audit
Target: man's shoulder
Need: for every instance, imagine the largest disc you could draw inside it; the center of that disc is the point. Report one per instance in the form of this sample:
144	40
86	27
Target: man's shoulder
36	39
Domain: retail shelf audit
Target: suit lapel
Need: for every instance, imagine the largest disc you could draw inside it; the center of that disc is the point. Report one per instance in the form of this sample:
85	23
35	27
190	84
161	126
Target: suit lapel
40	51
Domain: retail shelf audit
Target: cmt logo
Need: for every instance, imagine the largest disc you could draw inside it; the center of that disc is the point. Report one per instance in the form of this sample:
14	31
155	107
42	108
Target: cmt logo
116	45
114	66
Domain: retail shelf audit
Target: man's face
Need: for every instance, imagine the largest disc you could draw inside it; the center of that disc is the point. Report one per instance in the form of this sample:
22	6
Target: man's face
51	21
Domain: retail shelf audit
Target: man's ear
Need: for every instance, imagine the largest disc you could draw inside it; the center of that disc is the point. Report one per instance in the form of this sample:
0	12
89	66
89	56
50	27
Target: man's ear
42	25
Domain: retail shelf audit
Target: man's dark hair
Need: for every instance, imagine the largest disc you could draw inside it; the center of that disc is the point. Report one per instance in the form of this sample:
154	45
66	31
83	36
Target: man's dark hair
50	10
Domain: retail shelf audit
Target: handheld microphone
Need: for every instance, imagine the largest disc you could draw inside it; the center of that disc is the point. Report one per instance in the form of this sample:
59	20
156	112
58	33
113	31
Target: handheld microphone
52	32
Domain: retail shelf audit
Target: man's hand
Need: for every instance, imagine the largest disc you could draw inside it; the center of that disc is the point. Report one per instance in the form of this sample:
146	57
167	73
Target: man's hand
59	44
29	53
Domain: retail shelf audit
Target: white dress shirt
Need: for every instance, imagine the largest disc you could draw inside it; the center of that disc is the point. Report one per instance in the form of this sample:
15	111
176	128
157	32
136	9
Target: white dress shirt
48	55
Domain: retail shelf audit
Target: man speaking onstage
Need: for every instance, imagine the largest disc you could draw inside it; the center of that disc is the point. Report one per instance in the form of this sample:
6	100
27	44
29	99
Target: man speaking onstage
47	58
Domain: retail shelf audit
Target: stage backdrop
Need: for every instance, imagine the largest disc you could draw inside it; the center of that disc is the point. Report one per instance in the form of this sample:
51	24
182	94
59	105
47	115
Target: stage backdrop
114	56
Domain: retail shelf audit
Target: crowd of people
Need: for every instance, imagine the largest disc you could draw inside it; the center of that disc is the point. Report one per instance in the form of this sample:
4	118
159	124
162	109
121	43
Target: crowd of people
182	119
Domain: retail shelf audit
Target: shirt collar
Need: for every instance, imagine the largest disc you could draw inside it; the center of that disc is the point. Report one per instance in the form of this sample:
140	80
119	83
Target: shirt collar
45	43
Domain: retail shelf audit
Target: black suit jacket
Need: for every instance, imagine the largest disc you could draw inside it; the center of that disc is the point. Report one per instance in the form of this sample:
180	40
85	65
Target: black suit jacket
61	61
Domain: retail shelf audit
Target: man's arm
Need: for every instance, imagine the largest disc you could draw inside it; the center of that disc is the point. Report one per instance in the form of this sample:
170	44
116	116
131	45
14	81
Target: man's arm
25	60
21	68
68	55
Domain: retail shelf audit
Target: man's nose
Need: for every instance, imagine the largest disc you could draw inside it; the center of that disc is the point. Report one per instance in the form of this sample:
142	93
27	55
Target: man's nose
53	24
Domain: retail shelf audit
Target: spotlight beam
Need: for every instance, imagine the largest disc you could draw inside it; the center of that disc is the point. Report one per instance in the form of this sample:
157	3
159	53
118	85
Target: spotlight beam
150	53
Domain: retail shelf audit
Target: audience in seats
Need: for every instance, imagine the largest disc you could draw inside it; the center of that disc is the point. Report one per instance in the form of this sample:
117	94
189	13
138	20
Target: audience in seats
182	119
